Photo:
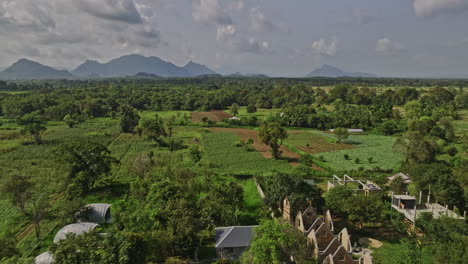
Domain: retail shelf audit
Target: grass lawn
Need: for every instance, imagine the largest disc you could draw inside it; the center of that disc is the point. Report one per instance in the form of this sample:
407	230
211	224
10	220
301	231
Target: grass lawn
226	158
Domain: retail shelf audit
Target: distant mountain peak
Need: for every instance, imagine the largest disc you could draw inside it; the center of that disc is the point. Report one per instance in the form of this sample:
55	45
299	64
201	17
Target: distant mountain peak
28	69
133	64
196	69
331	71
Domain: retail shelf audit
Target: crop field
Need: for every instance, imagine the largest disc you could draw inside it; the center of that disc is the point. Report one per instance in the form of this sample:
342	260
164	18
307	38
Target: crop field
218	116
361	147
245	134
311	142
226	158
7	215
374	147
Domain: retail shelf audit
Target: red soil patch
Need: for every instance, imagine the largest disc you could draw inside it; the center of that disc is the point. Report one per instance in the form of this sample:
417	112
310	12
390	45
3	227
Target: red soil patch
217	116
245	134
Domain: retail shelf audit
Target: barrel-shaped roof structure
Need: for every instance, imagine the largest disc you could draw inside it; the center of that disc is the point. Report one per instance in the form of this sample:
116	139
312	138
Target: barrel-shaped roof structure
44	258
77	229
99	213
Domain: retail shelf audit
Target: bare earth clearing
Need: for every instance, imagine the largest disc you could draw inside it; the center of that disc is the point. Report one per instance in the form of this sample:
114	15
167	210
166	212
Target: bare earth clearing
217	116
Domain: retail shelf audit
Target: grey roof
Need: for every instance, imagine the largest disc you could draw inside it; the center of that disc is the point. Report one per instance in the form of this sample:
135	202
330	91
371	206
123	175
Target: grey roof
404	197
78	229
234	236
44	258
403	176
99	213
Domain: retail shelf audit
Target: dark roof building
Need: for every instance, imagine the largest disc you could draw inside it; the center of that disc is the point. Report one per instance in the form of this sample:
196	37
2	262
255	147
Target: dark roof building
232	241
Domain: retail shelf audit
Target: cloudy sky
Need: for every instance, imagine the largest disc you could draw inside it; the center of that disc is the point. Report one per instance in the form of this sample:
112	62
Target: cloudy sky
276	37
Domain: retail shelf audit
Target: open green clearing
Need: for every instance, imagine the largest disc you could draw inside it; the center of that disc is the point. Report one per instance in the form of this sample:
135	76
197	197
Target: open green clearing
226	158
377	147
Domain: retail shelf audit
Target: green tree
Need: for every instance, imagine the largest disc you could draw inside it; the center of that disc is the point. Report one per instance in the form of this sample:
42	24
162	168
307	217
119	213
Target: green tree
398	186
234	109
34	125
275	243
94	248
18	189
129	119
273	135
89	162
363	209
278	186
335	199
195	153
341	133
7	248
251	108
413	109
416	148
154	129
70	120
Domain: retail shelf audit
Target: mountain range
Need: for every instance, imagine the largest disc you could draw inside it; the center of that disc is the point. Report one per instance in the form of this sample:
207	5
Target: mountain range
129	65
140	67
330	71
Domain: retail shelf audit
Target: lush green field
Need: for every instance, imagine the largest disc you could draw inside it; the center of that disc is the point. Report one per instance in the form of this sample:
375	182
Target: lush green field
379	148
226	158
461	125
392	253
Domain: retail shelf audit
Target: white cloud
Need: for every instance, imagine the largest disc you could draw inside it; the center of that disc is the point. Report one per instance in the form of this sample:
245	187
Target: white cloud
259	21
225	32
324	47
429	8
388	46
210	11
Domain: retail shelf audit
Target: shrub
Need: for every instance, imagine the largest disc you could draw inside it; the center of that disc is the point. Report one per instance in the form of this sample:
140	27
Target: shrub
357	161
346	156
452	151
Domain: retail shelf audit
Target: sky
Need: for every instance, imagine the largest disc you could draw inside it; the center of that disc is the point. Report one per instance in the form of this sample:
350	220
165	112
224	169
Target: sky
403	38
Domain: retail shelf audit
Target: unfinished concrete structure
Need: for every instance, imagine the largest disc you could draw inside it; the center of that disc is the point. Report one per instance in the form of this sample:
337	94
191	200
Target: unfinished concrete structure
328	248
365	187
411	208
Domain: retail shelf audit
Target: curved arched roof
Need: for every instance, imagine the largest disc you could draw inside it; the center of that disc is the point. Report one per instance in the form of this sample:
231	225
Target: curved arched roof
78	229
44	258
99	213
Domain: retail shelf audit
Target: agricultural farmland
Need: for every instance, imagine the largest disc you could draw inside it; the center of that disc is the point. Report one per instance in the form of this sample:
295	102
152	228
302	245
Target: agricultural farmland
226	157
217	116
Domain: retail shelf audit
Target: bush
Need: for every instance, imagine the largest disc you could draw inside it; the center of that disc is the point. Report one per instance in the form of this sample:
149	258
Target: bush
346	156
370	159
357	161
452	151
